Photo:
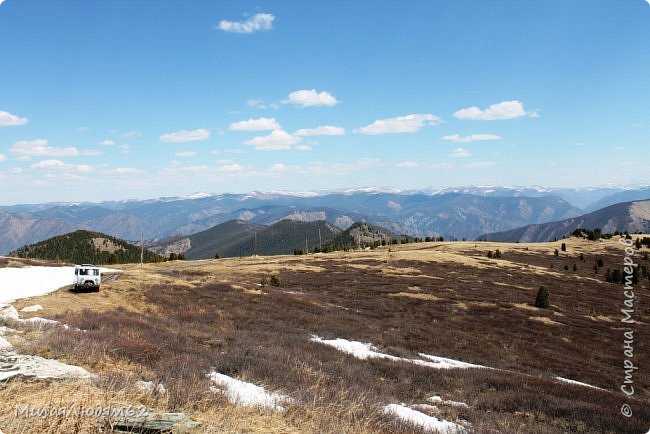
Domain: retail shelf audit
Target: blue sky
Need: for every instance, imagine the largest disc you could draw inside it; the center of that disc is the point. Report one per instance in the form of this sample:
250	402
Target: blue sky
136	99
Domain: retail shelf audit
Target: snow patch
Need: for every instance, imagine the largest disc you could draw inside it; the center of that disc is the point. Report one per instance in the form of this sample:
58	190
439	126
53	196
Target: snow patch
26	282
34	308
445	363
368	351
424	421
577	383
247	394
439	400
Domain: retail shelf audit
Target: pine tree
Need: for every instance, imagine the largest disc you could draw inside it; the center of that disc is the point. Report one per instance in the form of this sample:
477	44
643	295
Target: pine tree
542	298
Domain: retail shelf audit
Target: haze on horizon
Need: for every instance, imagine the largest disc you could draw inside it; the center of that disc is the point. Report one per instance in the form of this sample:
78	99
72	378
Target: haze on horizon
119	100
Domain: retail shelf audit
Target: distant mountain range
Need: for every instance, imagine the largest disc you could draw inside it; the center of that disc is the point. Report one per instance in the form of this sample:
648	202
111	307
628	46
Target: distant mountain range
621	217
454	213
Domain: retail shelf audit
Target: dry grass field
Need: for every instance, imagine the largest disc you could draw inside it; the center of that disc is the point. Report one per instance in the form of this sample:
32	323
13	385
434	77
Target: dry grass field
172	323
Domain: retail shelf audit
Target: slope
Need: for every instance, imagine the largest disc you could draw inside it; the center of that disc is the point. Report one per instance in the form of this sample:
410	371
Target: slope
621	217
85	247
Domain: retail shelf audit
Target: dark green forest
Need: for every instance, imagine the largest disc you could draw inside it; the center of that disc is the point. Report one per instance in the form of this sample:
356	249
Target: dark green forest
86	247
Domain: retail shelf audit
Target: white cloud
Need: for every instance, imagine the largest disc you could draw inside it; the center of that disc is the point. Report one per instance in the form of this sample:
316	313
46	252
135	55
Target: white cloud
107	142
480	165
39	148
311	98
407	164
260	104
3	157
278	140
325	130
183	136
229	168
125	148
471	138
259	124
124	171
500	111
186	154
60	166
253	24
256	102
460	153
129	134
402	124
9	120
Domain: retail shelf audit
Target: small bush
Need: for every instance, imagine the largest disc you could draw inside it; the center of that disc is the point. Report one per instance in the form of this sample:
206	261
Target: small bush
556	253
542	298
575	268
275	280
563	247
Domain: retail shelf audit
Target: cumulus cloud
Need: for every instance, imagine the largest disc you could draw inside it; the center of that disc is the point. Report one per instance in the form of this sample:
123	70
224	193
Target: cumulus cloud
311	98
40	148
325	130
255	23
9	120
186	154
107	142
500	111
259	124
471	138
402	124
60	166
183	136
460	153
3	157
278	140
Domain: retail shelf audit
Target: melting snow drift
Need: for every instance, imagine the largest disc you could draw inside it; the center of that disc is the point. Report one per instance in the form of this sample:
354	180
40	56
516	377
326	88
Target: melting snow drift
247	394
424	421
369	351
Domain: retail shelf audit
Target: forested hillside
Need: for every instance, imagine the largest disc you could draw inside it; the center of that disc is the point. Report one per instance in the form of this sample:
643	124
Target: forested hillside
86	247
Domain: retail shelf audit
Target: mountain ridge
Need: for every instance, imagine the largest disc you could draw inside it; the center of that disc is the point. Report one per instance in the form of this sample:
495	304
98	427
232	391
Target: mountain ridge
626	216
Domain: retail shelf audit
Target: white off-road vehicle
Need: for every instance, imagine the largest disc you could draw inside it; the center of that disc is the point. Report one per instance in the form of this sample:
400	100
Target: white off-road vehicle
87	277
